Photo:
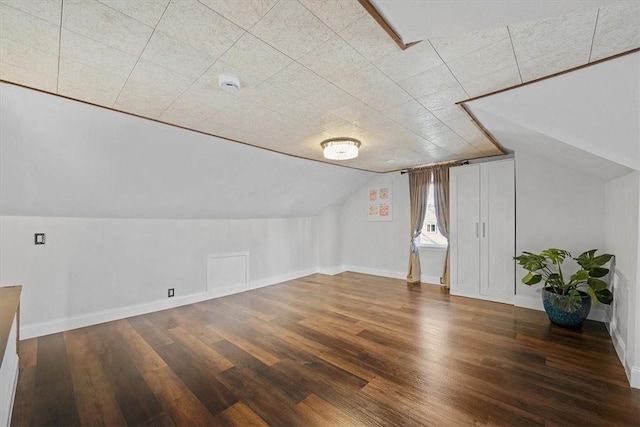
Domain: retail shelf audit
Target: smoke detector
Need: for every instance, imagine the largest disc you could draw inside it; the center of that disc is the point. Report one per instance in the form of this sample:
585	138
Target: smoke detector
229	83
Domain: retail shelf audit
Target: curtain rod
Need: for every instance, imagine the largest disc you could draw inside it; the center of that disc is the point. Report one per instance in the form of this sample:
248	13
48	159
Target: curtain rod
454	163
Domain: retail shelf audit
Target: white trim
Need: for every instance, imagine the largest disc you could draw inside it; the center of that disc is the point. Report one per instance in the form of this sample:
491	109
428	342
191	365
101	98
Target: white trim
243	254
8	403
332	271
274	280
432	247
376	272
634	377
431	280
535	303
500	300
74	322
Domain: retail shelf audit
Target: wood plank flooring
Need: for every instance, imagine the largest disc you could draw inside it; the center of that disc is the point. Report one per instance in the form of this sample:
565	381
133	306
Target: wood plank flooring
346	350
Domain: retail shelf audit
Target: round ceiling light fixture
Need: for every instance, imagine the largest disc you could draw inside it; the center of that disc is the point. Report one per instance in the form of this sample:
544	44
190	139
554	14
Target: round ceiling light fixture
228	83
340	148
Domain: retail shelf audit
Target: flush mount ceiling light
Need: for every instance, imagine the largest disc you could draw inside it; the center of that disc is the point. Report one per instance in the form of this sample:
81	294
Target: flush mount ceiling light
340	148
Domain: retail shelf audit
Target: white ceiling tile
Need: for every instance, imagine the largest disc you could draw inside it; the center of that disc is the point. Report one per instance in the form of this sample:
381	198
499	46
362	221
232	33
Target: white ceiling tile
146	11
89	84
143	99
462	148
196	104
28	66
334	58
292	29
49	10
372	121
444	98
482	143
244	13
360	83
472	134
393	133
435	80
411	115
254	56
162	79
451	48
337	14
438	133
28	30
361	115
367	37
617	30
387	97
487	60
81	49
176	56
552	45
103	24
327	121
451	112
195	24
275	99
488	83
461	125
402	64
298	80
329	97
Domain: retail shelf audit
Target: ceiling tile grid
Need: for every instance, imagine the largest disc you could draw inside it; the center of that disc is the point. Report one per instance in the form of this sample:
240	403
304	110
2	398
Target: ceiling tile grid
309	69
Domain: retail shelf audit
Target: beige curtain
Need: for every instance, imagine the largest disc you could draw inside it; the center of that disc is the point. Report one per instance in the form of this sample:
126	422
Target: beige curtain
418	185
441	198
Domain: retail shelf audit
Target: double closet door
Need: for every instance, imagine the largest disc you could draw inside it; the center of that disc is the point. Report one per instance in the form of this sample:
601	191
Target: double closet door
482	230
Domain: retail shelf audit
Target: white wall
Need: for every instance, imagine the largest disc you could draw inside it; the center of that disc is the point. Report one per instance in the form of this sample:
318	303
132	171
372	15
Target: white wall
91	265
330	241
382	248
62	158
621	208
555	207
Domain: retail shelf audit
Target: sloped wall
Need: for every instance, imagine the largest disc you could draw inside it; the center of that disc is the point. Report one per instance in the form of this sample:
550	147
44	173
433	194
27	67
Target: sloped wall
67	159
131	207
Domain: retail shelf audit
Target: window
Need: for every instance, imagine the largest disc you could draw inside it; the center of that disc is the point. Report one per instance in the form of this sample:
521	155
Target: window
431	236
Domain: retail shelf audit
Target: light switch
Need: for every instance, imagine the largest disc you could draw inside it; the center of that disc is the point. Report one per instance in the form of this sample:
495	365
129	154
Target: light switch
39	239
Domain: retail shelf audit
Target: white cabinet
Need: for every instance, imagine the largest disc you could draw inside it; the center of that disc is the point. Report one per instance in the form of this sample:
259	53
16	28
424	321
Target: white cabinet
482	231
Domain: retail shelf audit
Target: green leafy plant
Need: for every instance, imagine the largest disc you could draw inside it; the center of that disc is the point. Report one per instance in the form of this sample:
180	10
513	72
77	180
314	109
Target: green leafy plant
547	266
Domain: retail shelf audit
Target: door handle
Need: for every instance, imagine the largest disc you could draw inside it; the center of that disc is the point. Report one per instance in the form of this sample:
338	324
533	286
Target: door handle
477	226
483	233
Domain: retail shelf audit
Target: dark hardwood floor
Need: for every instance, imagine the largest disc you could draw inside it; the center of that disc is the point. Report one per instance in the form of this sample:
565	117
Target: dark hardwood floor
345	350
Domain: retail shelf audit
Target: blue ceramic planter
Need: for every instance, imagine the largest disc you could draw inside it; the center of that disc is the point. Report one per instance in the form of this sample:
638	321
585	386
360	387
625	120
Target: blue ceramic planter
561	317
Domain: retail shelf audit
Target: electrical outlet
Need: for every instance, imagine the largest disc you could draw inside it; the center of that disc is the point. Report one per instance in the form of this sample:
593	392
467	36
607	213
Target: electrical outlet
39	240
171	292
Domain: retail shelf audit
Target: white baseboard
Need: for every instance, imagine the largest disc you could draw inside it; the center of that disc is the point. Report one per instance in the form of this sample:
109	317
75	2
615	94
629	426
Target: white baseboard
535	303
332	271
74	322
282	278
377	272
634	378
431	280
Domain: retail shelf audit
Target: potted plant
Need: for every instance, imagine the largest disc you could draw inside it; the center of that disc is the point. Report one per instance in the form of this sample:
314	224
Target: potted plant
565	304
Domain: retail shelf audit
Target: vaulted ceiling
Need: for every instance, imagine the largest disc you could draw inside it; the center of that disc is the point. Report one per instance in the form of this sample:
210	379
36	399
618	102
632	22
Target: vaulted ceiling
309	69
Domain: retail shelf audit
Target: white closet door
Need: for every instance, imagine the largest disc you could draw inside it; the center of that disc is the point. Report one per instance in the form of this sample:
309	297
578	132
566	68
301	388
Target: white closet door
465	230
497	230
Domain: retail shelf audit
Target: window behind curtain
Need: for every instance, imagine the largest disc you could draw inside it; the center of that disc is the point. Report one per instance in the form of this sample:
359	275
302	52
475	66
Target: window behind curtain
430	234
